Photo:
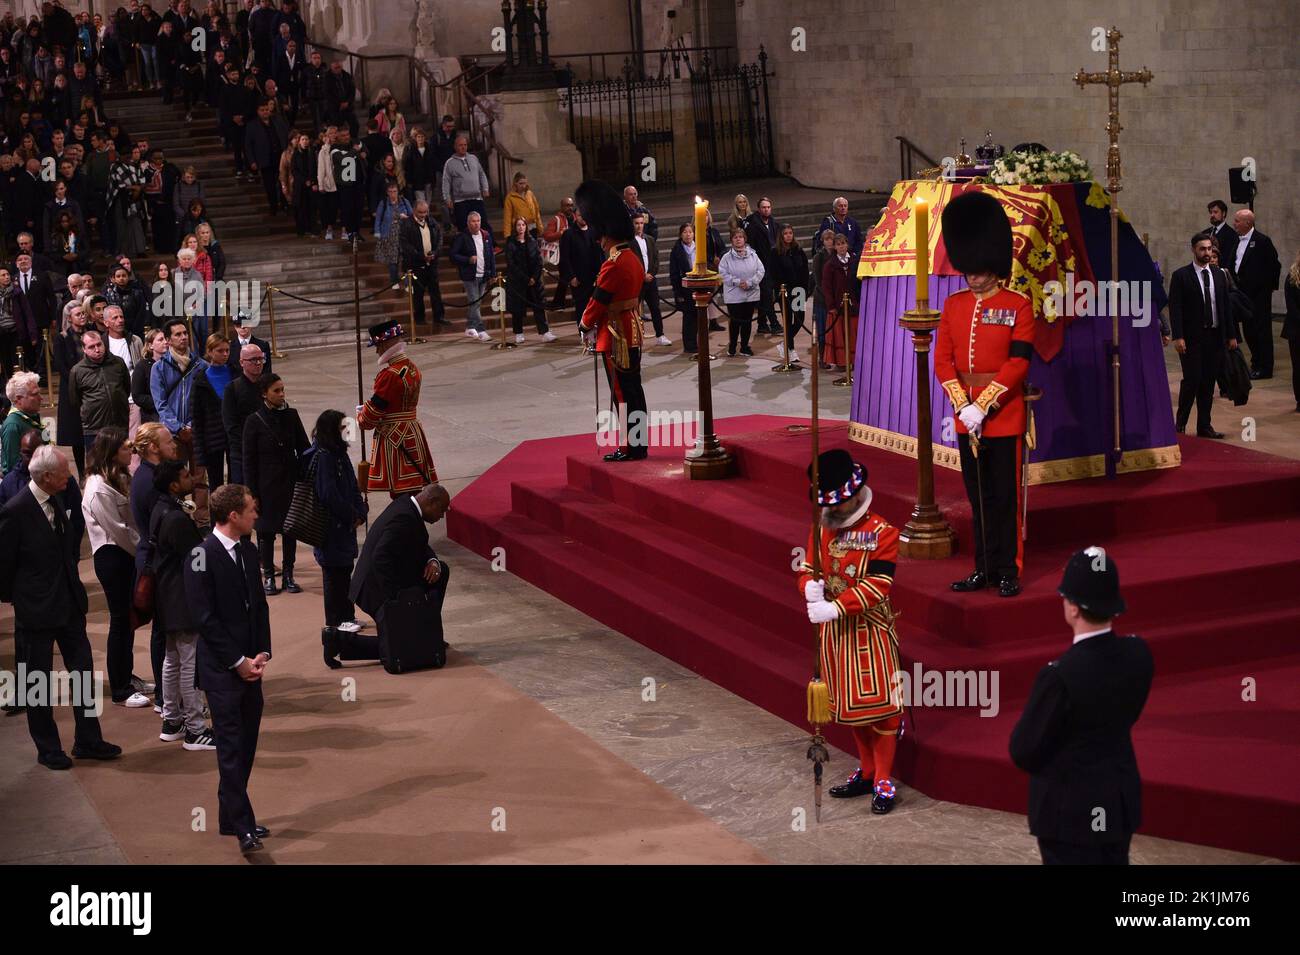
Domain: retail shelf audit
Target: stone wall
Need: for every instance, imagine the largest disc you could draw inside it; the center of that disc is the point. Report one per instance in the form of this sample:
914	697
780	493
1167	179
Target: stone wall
1225	88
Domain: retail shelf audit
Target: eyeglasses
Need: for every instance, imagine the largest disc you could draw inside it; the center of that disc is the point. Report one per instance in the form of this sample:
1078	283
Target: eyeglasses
254	361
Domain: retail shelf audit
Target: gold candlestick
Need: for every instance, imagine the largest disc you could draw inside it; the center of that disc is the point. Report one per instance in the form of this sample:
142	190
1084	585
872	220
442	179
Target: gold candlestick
708	460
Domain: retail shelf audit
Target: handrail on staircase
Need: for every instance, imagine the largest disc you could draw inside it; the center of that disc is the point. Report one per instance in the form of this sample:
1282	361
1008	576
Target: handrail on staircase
908	151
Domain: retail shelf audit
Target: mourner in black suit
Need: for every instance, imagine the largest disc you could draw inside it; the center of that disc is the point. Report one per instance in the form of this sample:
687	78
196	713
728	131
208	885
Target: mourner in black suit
244	335
1220	229
647	248
42	528
418	241
1200	320
397	557
1257	270
762	232
1073	738
229	607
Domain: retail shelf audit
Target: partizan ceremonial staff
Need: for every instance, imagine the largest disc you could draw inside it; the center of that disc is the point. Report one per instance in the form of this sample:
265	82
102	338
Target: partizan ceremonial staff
859	643
613	314
400	458
981	357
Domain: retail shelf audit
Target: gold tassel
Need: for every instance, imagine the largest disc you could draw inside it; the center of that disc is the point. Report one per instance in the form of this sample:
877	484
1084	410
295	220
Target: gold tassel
819	702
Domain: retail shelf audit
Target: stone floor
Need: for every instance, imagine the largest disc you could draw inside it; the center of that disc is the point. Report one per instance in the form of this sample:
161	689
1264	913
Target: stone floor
738	765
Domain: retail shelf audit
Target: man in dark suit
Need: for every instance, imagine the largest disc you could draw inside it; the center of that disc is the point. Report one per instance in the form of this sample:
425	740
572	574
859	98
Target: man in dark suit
1200	320
648	249
42	529
1257	269
35	287
419	240
234	626
397	557
1073	738
1221	229
761	232
580	259
288	73
244	336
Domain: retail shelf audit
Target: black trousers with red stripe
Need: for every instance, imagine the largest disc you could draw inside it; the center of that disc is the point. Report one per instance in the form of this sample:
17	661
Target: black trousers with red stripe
625	388
997	473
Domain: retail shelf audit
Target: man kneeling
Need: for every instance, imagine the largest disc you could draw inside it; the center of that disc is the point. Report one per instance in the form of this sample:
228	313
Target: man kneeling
390	577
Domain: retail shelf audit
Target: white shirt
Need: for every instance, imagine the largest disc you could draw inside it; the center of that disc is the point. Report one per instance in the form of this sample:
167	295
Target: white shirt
25	279
43	500
1091	633
426	236
645	254
1200	283
121	347
478	253
1242	244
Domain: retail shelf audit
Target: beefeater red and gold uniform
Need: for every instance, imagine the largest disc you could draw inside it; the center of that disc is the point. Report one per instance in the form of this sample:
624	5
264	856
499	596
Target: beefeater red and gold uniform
400	460
981	356
859	649
614	311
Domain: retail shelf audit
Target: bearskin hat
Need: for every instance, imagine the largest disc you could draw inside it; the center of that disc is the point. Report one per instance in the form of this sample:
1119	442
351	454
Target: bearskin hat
977	235
604	211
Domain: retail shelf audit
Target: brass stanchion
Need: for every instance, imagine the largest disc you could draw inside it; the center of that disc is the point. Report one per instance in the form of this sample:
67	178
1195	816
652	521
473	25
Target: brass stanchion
410	308
500	306
786	366
708	459
847	380
270	308
49	372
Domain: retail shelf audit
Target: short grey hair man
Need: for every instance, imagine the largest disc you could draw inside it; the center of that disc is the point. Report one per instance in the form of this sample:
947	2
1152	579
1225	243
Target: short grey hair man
20	384
46	460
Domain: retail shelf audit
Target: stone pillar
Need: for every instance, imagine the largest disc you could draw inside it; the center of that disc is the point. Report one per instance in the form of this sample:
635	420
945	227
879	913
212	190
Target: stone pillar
532	127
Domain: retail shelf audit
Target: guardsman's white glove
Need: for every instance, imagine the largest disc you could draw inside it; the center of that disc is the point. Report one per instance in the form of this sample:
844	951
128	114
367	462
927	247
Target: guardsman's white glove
814	591
823	612
973	418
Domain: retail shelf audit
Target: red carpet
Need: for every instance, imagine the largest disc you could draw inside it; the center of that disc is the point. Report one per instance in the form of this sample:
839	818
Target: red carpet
1209	556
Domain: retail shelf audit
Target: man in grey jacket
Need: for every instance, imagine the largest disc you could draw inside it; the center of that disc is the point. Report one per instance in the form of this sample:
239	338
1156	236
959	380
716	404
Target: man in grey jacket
99	387
464	183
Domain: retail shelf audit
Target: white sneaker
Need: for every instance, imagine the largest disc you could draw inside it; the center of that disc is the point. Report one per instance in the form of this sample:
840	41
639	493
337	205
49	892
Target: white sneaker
549	337
780	352
157	708
136	700
519	339
664	340
329	235
470	333
349	626
484	337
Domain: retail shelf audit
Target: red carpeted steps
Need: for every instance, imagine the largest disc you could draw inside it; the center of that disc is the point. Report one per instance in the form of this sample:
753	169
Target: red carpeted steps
702	572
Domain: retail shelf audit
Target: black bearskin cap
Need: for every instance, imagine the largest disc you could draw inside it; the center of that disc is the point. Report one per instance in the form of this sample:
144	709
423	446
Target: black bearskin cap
604	211
977	235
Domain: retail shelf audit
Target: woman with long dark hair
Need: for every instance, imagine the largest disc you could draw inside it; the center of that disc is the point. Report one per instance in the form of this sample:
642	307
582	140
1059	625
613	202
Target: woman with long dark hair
345	509
113	541
274	441
790	264
524	280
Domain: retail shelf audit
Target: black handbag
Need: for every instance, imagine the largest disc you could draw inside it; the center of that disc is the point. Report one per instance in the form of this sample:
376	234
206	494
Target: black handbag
305	519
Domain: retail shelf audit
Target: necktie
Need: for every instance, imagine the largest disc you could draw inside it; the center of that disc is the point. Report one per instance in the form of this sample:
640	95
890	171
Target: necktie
243	572
25	275
59	526
1205	289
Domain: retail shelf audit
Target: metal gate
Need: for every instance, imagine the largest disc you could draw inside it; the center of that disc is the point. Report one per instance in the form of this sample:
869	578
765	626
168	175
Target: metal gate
624	130
733	120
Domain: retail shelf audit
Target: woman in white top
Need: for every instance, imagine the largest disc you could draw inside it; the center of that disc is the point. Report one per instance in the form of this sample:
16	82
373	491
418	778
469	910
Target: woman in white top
113	539
741	273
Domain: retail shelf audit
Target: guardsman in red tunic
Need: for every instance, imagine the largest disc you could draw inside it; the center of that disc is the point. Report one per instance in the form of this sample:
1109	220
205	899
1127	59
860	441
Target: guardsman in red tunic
613	314
859	644
400	462
981	358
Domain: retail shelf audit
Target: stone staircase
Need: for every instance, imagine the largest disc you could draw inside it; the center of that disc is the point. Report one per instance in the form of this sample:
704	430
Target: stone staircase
263	248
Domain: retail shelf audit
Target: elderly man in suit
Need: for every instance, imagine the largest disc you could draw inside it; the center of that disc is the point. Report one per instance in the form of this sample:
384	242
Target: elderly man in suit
396	558
1200	320
1258	270
1074	736
229	608
419	240
42	529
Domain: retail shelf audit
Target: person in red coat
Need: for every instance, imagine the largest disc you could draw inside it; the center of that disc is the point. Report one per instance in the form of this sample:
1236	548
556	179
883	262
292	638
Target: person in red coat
851	603
612	318
400	462
839	277
981	358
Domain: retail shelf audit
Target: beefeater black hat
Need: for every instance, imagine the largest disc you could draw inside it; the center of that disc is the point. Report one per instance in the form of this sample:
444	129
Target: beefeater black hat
604	210
839	477
977	234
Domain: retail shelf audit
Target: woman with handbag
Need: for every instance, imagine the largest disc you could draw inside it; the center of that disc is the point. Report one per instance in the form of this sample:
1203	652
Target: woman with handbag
342	509
274	441
113	542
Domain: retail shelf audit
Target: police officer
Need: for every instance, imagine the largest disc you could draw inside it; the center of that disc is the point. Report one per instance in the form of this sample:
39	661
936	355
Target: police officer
1073	738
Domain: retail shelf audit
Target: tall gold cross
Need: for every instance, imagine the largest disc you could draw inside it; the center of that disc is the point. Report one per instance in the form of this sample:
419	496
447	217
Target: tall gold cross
1113	78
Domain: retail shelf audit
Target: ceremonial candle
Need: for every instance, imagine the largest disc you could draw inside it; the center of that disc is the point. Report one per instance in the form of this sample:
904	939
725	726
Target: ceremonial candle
922	251
701	235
